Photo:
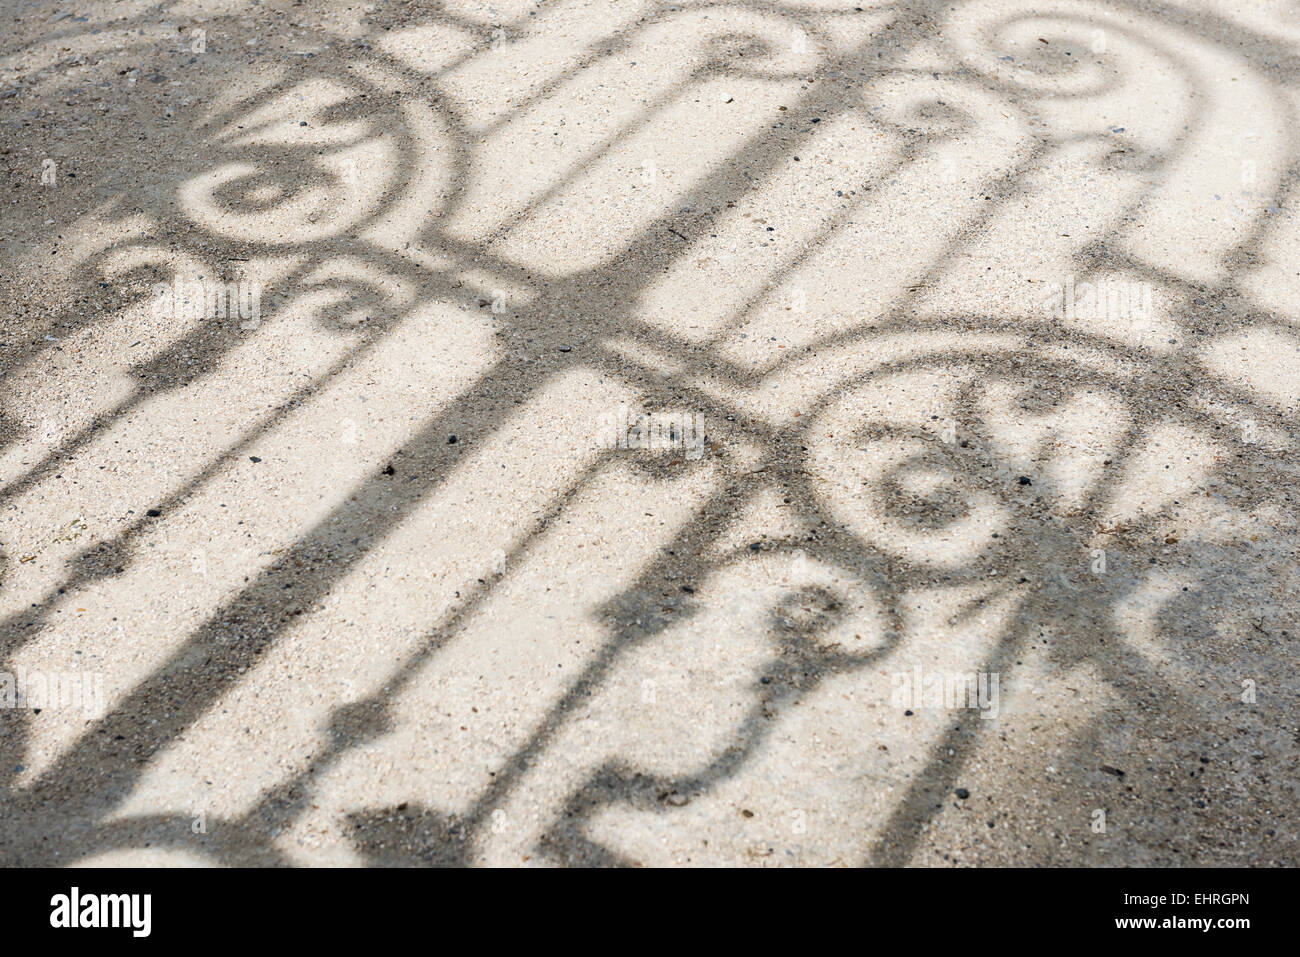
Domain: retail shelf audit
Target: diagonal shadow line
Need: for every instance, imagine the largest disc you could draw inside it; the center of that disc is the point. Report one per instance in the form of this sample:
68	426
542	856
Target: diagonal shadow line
436	287
116	550
350	724
331	547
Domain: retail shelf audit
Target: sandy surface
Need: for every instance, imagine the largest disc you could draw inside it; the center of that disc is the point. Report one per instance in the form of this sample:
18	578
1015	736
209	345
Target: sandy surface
973	329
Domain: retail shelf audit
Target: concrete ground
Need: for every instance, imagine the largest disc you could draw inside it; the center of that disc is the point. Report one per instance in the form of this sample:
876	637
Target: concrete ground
965	337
